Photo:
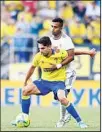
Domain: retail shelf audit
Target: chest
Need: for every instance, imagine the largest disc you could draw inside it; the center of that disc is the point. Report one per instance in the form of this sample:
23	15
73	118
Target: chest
57	43
48	62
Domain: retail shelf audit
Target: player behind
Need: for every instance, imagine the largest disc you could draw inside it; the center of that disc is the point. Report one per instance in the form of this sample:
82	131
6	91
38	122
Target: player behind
62	41
50	81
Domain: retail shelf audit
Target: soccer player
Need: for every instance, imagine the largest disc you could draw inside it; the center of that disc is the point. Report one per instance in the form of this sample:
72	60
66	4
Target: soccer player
62	41
50	81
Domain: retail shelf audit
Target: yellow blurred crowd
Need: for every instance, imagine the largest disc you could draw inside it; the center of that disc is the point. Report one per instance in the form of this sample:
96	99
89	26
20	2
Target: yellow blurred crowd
77	29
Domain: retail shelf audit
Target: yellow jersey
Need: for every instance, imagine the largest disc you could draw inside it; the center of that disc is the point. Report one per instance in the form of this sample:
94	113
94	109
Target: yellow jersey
46	62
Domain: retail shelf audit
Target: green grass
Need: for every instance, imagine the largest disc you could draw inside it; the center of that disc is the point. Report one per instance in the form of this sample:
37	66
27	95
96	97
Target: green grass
44	119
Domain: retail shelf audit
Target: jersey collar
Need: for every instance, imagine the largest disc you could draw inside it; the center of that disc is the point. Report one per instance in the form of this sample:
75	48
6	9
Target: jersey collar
53	51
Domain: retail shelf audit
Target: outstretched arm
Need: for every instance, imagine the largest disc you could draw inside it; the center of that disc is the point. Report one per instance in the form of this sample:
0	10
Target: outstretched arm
69	58
92	52
29	73
65	61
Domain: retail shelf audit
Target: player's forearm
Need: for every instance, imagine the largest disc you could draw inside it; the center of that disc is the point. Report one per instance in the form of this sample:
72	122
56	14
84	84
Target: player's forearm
30	72
81	52
67	60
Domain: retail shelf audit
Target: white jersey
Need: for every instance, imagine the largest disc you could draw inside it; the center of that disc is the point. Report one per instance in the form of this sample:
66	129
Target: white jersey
65	43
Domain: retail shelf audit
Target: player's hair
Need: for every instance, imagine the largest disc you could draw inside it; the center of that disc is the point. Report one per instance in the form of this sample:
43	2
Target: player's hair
58	20
44	41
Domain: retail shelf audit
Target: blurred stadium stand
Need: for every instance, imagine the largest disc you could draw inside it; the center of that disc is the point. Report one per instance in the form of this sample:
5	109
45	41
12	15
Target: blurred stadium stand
23	22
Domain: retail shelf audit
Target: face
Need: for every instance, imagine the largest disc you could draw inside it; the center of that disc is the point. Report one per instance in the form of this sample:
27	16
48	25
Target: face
56	28
44	49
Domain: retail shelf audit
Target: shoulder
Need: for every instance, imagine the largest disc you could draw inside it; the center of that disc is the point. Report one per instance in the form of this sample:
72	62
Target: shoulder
37	56
67	39
62	51
64	35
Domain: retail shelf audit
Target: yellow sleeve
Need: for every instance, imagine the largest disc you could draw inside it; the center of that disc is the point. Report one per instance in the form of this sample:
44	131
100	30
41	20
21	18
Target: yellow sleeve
64	54
36	60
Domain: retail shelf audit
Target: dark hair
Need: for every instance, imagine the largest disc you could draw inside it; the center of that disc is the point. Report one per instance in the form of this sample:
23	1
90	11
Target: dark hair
58	20
44	41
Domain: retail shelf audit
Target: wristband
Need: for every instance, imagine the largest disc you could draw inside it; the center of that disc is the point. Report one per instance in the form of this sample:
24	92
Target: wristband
59	66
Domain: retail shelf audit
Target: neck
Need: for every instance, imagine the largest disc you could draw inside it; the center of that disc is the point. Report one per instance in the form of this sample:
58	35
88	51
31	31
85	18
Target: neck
57	36
50	53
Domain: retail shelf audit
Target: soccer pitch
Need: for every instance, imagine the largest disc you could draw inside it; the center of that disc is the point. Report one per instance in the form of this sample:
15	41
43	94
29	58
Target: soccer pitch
45	118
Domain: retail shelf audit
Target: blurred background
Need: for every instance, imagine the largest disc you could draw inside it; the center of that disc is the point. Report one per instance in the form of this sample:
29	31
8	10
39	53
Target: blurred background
23	22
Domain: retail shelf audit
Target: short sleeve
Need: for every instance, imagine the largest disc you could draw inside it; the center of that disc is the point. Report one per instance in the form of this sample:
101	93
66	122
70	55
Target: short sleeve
36	59
67	43
64	54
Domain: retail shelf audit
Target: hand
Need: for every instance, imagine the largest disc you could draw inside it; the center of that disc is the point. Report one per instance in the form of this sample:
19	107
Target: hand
92	52
53	67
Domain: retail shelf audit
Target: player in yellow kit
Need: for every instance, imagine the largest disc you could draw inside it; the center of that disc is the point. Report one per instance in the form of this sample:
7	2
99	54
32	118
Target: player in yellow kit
46	62
50	81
